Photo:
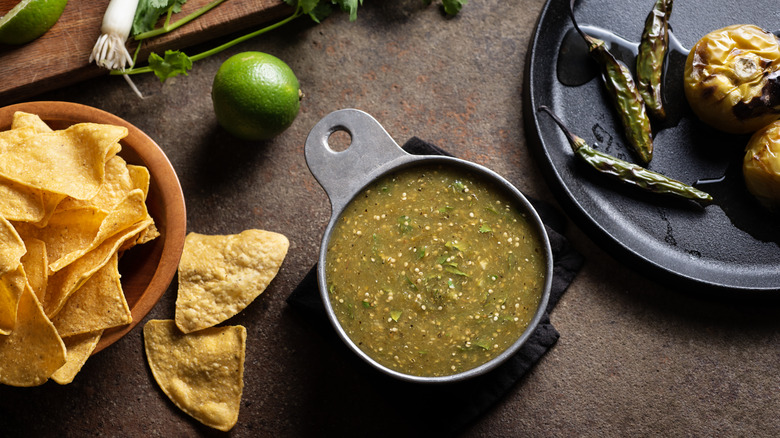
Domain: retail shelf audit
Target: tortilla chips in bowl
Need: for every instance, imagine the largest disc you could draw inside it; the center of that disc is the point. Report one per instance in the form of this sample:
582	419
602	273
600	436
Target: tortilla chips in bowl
115	235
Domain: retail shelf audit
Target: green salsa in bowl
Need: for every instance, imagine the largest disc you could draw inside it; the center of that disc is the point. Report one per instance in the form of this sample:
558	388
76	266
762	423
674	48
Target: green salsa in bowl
432	269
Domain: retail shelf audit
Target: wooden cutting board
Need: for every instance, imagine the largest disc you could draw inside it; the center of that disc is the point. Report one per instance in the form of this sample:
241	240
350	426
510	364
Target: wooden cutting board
60	57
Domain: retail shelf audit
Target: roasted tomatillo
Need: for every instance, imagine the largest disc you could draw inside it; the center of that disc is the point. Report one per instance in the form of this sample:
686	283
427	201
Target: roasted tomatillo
761	166
732	78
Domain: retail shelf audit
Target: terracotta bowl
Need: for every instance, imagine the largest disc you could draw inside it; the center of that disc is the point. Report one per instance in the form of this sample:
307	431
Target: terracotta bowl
147	270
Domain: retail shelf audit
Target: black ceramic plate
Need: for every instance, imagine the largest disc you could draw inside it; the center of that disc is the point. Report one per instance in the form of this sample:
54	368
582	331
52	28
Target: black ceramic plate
730	246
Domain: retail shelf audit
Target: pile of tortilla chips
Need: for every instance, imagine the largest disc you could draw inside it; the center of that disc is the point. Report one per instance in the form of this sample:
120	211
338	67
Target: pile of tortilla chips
69	207
198	366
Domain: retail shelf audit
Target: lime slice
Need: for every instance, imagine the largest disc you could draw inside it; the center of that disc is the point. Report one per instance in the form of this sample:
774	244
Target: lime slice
29	19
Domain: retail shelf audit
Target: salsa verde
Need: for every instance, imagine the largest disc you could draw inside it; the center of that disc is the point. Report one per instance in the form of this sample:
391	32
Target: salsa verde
432	272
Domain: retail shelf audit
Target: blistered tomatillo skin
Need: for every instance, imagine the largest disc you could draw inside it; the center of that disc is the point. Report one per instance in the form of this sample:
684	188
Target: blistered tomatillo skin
761	166
732	78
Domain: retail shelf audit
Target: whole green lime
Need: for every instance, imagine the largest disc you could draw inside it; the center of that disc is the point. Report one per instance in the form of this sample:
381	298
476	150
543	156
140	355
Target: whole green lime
29	19
256	96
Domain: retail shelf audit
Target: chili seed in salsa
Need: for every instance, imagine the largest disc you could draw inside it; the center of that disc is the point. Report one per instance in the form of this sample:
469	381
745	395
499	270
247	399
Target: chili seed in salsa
432	272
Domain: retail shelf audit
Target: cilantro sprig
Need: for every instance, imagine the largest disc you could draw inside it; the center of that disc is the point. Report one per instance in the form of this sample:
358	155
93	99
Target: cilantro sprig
175	62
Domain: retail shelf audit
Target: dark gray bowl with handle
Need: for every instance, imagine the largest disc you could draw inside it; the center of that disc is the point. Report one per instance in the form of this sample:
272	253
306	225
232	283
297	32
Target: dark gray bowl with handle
371	154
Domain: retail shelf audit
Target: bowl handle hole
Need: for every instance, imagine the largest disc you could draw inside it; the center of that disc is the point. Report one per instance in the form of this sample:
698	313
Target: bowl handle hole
339	140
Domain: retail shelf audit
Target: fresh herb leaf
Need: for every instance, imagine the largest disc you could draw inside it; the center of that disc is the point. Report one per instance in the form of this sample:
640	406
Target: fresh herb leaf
307	5
366	304
350	311
454	245
481	344
452	7
175	63
421	252
395	314
484	228
149	12
445	209
455	270
320	12
459	186
350	6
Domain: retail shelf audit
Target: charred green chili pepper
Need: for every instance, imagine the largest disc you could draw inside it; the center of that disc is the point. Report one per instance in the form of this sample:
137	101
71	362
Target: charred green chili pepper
650	59
628	173
621	87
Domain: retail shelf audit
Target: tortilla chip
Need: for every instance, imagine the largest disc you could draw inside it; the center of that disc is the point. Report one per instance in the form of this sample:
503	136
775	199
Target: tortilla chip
21	203
124	215
12	286
97	305
69	161
150	233
12	277
22	119
9	139
36	266
50	203
67	231
120	179
12	247
220	275
68	205
140	177
78	348
202	373
33	350
64	282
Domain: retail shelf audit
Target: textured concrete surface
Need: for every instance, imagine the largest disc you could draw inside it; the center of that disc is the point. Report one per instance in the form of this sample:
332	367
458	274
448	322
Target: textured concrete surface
634	358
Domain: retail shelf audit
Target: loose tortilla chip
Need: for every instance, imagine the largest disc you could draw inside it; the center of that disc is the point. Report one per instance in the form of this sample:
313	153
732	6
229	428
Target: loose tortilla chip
69	161
33	350
202	373
78	348
220	275
97	305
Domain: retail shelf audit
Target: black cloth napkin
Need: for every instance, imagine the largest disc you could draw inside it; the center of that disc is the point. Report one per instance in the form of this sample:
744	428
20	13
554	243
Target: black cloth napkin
448	408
